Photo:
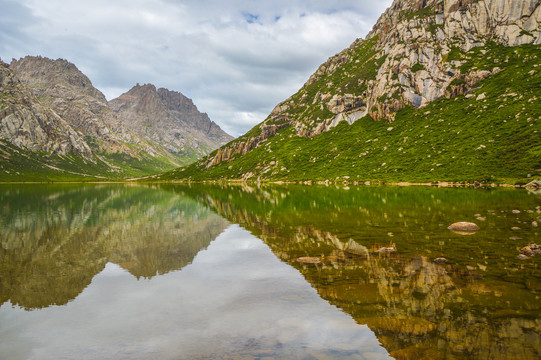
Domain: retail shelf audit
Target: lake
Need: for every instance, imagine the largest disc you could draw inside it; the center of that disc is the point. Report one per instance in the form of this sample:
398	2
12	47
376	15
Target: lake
126	271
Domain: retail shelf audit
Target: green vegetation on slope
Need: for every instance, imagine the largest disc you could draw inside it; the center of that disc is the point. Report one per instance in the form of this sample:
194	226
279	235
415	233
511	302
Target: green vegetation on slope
360	66
18	164
489	135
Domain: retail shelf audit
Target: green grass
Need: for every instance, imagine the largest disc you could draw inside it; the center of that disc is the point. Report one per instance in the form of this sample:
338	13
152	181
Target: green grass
462	139
417	67
20	165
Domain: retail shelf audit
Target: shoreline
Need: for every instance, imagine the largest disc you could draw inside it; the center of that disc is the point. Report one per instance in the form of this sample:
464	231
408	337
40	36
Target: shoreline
440	184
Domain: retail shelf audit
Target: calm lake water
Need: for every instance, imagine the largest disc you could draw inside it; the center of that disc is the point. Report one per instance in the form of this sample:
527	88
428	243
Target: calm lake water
208	272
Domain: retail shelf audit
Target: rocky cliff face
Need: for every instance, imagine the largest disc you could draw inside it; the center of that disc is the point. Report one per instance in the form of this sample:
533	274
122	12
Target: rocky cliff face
169	119
413	47
59	85
27	124
412	57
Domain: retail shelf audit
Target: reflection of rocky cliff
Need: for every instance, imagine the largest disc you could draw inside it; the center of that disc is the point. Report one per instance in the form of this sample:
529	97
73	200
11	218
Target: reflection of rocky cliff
55	239
482	304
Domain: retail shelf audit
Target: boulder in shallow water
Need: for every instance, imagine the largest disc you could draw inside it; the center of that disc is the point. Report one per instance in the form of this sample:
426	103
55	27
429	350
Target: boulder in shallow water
534	185
464	228
535	248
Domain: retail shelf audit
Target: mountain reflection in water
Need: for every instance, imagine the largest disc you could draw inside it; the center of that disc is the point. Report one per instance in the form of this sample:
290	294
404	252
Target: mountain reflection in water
55	239
482	304
97	250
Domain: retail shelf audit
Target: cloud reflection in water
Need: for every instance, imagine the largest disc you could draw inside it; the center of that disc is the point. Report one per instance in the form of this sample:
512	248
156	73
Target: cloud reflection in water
235	299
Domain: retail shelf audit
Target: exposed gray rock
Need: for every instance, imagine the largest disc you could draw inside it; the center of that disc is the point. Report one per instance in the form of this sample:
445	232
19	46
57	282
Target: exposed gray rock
413	44
61	86
357	249
386	250
155	123
26	123
534	185
169	119
422	33
309	260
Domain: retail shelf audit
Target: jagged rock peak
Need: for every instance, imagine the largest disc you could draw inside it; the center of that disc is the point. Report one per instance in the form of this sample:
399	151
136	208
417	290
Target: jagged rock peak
172	100
59	72
168	118
60	85
510	22
176	101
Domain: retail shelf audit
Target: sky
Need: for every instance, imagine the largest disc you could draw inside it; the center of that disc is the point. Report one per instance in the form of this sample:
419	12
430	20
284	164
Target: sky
235	59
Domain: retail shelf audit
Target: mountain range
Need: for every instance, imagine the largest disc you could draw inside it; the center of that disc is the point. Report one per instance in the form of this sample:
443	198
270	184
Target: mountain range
439	90
55	125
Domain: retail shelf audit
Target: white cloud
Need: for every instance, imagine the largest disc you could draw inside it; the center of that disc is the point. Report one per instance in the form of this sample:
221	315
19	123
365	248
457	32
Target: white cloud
235	59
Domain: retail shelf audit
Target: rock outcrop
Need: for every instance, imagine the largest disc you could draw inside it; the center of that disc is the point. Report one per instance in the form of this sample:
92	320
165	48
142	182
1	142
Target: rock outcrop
412	56
26	123
415	41
168	118
59	85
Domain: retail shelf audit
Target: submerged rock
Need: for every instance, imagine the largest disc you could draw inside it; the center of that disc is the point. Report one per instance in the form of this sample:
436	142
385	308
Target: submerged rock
530	250
355	248
535	248
527	251
386	250
464	228
309	260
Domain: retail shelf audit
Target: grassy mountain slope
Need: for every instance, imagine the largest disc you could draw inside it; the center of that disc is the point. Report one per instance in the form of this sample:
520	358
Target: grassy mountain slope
490	133
20	165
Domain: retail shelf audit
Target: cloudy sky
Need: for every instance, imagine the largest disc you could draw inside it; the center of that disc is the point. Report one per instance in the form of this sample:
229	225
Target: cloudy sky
236	59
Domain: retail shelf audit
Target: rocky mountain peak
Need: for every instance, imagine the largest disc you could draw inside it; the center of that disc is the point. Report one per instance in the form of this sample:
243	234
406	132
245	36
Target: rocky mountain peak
143	97
49	105
27	124
43	73
408	58
176	101
68	92
168	118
